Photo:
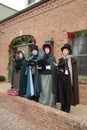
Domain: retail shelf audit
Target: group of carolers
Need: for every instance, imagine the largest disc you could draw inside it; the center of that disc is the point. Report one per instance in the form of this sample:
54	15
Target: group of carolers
44	81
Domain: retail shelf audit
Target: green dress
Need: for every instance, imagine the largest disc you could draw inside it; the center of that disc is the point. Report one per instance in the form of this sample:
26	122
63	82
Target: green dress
22	80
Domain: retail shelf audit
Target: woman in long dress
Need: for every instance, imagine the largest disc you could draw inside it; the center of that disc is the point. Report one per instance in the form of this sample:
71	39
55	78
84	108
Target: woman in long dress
18	77
32	74
47	77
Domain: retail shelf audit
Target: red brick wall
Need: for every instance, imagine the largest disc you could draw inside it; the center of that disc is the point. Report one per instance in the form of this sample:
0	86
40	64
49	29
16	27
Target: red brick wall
52	19
44	117
83	93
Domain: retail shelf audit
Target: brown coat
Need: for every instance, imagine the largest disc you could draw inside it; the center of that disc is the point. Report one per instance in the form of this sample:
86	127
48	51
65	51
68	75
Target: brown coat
73	93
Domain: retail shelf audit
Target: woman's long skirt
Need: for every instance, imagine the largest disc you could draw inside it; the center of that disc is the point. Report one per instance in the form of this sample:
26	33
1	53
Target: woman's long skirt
16	79
46	95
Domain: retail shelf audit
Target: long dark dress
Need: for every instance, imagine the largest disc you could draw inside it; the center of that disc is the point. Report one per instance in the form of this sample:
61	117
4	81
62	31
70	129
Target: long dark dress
22	80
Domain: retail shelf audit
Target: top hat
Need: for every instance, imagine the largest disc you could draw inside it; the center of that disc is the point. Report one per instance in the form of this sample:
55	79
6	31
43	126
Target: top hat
67	46
34	47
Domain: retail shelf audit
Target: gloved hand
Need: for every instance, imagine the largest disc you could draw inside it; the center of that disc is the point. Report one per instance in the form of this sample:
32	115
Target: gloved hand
48	67
66	72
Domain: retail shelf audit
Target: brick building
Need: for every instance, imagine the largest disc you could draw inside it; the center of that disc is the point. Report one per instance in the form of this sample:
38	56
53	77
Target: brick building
43	20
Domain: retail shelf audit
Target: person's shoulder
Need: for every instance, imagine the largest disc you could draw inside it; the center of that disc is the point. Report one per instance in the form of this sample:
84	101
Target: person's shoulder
52	55
74	60
30	58
24	60
39	55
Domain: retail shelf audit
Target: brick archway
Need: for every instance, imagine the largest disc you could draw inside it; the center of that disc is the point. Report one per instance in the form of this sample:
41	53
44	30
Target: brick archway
19	43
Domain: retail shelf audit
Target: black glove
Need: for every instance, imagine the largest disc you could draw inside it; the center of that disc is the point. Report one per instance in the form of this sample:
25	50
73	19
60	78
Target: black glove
31	63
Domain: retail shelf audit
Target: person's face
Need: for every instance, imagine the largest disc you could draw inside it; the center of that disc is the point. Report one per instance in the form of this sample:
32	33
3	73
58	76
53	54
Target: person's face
65	52
47	50
34	52
20	55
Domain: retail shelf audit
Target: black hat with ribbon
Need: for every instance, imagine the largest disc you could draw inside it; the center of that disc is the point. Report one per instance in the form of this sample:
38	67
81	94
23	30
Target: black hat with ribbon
34	47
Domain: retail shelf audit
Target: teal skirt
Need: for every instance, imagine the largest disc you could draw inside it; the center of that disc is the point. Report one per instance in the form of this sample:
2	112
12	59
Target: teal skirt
46	95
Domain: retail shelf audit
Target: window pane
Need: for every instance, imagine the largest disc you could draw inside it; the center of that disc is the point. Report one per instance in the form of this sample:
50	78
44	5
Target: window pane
75	50
30	1
83	49
82	65
82	40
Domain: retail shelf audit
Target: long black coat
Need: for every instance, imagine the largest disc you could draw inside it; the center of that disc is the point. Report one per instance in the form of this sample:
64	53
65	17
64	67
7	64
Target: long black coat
73	92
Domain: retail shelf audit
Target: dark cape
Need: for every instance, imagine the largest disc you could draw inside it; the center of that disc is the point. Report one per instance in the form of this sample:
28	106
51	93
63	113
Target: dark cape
73	92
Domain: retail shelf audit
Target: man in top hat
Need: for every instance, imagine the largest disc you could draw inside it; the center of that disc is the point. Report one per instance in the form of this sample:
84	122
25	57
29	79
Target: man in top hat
68	93
32	74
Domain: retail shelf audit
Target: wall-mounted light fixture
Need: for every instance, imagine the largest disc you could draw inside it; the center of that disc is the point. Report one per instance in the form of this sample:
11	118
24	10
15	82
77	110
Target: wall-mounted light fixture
50	41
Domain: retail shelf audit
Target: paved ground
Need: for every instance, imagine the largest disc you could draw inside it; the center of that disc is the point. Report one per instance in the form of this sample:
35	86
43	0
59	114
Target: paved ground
11	121
17	122
79	110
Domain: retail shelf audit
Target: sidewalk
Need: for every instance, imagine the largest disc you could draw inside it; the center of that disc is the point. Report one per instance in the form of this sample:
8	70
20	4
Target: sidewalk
9	120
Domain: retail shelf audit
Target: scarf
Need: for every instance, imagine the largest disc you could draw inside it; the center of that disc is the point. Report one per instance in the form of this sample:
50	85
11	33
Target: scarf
70	67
